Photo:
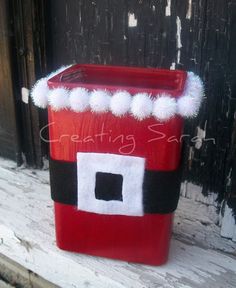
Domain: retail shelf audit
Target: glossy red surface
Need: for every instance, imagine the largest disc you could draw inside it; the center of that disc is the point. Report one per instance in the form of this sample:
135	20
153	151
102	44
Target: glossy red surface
137	239
113	78
159	143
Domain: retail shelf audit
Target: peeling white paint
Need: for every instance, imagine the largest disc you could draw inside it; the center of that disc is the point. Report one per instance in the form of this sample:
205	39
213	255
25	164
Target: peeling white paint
132	20
178	34
228	227
197	220
168	8
25	95
201	134
178	38
172	67
194	192
189	12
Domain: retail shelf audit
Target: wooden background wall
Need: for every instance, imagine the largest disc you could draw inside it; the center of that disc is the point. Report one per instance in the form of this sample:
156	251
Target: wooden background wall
8	124
186	34
40	35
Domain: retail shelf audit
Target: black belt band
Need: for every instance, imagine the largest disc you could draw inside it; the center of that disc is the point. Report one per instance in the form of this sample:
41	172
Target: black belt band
160	188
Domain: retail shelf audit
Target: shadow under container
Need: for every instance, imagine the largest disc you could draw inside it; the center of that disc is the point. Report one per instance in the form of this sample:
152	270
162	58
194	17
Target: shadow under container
115	180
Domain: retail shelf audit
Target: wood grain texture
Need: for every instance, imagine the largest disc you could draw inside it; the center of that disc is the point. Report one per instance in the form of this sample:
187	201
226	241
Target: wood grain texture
29	64
14	275
188	34
8	130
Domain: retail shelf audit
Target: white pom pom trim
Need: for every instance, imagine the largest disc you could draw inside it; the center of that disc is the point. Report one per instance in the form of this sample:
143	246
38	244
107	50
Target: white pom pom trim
141	106
99	101
120	103
163	107
59	99
39	93
187	106
189	103
79	99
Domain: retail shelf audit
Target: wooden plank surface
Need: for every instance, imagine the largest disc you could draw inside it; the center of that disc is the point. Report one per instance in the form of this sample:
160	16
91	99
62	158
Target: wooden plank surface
14	275
27	237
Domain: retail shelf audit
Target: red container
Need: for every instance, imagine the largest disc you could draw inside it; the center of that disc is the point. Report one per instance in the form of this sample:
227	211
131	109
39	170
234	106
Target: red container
77	136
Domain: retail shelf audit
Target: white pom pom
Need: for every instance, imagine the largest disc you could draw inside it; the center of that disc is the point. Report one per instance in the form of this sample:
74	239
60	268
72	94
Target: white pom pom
39	93
79	99
188	106
189	103
99	101
59	99
164	107
141	106
120	103
194	86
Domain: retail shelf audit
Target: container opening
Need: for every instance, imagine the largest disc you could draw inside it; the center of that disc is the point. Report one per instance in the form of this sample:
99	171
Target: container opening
124	77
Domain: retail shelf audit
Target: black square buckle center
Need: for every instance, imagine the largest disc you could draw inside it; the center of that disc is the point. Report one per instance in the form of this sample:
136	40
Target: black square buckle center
108	186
